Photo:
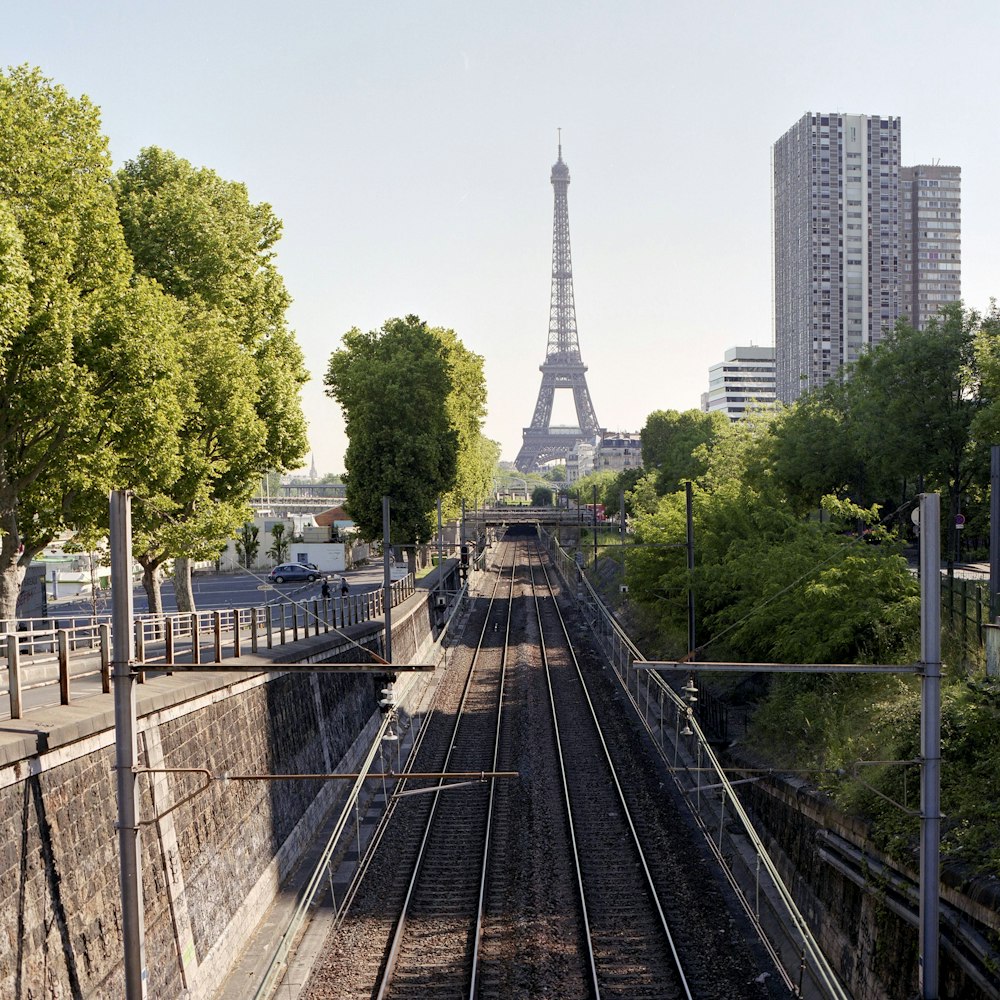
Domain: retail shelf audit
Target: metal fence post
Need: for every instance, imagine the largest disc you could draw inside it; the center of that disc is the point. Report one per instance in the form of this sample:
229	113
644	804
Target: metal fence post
217	634
195	638
14	674
236	632
140	651
168	642
62	641
104	631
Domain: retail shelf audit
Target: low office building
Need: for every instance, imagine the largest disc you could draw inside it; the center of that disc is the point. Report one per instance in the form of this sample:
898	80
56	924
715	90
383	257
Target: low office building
744	378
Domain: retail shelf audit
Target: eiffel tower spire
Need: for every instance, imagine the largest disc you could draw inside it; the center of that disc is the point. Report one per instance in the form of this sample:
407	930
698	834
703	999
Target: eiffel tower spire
563	367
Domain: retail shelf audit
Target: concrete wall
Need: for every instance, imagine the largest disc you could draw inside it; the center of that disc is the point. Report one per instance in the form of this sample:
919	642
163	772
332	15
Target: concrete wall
212	859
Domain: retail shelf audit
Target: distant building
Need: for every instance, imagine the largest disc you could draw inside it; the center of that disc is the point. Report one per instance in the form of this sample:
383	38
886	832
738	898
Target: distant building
930	248
580	461
744	377
619	450
836	244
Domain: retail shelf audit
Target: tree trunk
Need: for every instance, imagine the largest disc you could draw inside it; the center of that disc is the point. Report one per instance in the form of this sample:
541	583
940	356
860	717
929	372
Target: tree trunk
411	559
183	591
11	569
151	584
11	578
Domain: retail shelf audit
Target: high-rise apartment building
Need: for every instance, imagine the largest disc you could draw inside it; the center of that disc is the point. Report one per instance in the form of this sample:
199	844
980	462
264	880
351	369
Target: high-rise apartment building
744	377
930	249
836	244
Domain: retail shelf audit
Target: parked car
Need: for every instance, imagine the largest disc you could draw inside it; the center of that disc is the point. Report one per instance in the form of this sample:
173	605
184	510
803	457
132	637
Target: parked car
293	572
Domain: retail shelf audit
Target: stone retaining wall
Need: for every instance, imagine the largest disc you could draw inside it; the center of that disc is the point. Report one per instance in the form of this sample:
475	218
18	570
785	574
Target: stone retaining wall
213	857
874	949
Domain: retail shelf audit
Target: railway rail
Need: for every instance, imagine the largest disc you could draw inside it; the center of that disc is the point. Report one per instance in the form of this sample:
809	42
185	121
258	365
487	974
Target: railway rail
629	945
570	880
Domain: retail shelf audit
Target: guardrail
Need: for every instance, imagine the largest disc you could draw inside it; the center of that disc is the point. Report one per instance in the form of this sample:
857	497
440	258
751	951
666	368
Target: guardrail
670	719
47	647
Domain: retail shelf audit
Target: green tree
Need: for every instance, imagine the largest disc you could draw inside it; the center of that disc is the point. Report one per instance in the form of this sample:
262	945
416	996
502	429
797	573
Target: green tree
85	360
541	496
813	450
281	537
248	544
622	485
770	585
393	386
670	442
202	239
583	489
466	406
914	399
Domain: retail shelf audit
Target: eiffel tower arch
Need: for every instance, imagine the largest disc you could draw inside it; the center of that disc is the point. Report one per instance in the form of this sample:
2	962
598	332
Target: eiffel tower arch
563	367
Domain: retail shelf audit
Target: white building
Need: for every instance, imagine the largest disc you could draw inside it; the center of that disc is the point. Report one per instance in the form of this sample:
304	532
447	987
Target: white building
580	461
745	377
619	450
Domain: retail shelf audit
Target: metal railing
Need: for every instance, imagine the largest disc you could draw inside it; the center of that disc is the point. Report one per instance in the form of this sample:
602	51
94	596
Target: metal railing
45	652
669	718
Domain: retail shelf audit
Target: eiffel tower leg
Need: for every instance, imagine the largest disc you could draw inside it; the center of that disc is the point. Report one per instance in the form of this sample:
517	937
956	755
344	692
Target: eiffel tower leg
527	459
585	415
543	408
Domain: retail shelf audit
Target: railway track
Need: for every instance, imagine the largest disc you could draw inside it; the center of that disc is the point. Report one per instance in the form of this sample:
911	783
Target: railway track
629	945
569	881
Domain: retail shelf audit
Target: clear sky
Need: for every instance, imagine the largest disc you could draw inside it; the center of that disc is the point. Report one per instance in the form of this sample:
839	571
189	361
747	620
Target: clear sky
407	147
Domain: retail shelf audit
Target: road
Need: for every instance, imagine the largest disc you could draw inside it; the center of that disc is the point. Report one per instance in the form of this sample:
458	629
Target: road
221	591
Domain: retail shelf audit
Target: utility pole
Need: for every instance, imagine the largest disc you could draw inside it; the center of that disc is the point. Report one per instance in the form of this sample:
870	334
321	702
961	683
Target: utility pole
126	747
930	743
994	532
595	529
690	565
621	527
387	579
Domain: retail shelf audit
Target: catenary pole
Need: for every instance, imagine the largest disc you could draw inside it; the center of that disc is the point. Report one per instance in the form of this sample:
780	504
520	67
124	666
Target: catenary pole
387	579
690	565
126	749
930	742
440	576
595	529
994	531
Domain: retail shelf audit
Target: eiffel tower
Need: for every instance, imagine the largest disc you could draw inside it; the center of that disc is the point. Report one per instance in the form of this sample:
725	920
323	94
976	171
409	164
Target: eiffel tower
563	367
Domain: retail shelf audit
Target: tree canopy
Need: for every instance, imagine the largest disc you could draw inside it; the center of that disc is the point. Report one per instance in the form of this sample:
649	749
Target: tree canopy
203	241
83	350
917	408
393	386
670	442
